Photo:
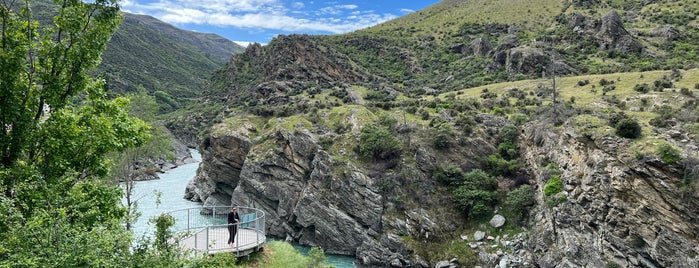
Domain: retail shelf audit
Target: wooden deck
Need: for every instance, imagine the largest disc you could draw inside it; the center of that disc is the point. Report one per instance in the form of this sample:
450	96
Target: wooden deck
214	240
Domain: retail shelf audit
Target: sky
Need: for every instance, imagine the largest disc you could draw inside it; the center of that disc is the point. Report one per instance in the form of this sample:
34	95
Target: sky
246	21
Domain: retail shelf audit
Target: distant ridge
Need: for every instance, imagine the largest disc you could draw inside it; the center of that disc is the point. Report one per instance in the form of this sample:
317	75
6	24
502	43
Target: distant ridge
146	51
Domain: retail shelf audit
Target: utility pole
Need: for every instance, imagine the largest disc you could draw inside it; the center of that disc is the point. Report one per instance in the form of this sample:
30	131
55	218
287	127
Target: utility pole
553	84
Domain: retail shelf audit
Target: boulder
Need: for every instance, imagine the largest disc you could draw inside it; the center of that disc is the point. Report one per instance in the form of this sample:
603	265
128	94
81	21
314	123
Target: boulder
478	235
481	47
497	221
666	32
613	35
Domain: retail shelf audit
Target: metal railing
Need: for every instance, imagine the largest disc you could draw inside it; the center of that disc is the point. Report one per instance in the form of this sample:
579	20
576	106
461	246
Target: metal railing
206	229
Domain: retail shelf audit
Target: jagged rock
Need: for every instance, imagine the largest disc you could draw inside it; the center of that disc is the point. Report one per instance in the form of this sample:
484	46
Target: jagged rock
666	32
442	264
420	262
509	42
223	155
424	160
497	221
481	47
614	210
487	258
478	235
613	35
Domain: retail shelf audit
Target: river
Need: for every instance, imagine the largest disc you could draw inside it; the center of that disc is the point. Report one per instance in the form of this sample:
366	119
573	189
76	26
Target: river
166	194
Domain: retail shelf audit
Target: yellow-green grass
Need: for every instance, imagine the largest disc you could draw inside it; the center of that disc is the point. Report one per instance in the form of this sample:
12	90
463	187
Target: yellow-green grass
447	16
568	86
278	254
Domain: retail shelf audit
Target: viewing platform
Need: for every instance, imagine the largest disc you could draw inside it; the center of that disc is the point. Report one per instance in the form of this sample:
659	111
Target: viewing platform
204	230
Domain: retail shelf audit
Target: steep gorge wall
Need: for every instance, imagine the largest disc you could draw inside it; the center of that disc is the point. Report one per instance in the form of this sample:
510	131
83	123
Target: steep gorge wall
313	198
618	209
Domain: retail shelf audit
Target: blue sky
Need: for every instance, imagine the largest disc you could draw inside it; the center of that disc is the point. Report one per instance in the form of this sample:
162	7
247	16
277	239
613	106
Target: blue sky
260	20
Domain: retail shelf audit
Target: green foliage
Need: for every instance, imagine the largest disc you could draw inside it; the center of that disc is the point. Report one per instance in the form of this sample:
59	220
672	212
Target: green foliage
57	211
476	194
628	128
316	258
509	133
214	261
497	165
284	256
668	153
519	119
643	88
553	186
444	137
518	203
378	142
450	176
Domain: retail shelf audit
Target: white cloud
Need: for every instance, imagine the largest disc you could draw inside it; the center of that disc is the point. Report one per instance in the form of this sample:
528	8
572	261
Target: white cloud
259	14
407	10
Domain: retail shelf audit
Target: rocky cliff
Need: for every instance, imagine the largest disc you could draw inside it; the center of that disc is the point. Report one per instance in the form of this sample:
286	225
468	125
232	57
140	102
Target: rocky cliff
316	197
618	209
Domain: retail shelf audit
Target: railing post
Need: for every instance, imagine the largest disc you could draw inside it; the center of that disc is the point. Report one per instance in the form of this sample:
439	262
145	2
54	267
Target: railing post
187	219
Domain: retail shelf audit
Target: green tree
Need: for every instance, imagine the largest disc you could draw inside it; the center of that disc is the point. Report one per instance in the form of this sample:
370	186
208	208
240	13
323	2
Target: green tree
58	126
476	194
158	146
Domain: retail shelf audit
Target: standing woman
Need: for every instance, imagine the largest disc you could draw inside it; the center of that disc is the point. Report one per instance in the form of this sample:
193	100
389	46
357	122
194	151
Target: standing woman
233	220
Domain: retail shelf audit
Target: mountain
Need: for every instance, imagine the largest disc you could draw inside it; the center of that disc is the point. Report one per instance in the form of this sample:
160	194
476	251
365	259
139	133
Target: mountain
501	133
160	57
147	52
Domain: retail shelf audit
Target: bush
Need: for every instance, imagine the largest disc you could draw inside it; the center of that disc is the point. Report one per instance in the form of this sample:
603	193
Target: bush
518	202
444	137
509	133
477	194
553	186
519	118
451	176
497	165
668	154
643	88
628	128
379	143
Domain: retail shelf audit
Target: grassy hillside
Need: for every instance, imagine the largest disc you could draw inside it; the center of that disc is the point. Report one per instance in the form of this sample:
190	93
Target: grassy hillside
148	52
169	62
461	79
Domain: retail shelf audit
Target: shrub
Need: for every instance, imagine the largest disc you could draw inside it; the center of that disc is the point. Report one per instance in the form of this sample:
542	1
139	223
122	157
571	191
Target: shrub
668	154
685	91
379	143
497	165
643	88
553	186
583	82
519	118
444	137
451	176
518	202
509	133
628	128
477	193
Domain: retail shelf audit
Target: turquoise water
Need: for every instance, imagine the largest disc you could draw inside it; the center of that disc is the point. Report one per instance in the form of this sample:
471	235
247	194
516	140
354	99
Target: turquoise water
167	194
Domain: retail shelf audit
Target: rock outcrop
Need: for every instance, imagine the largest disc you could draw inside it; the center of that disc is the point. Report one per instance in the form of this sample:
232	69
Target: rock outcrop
609	32
615	210
312	198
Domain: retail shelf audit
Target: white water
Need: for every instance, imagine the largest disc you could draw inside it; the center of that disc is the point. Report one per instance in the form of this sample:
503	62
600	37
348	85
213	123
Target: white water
169	192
